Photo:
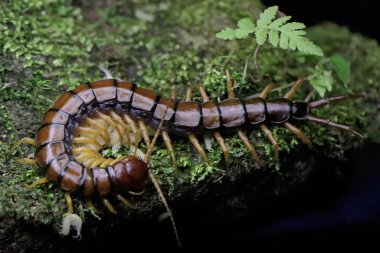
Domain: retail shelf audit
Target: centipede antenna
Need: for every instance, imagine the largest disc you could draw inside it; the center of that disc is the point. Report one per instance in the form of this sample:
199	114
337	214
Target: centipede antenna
325	101
163	200
29	141
327	122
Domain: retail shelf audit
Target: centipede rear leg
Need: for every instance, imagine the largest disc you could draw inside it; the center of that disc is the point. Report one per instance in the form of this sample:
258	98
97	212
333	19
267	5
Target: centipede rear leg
243	137
108	205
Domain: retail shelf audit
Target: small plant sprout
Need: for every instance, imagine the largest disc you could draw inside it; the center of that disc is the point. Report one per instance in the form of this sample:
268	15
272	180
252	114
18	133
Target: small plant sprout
279	32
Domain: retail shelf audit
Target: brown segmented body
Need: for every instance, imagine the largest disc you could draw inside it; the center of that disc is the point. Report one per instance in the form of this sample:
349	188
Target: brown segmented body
112	101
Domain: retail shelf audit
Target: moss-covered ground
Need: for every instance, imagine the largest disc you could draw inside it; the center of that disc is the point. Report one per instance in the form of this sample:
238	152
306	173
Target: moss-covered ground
47	47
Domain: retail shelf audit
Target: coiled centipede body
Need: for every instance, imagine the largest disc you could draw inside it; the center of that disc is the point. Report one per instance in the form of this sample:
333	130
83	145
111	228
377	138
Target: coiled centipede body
110	113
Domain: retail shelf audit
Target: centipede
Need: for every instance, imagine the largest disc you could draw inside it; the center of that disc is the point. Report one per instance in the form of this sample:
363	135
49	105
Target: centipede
112	113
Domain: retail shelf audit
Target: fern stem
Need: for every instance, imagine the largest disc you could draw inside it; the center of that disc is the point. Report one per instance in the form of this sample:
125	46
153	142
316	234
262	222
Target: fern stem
259	76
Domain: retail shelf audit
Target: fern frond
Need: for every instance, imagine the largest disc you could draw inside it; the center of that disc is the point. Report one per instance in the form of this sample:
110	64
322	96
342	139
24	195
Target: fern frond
283	34
279	32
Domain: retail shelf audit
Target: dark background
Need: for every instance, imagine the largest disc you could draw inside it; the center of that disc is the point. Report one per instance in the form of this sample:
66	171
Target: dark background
360	16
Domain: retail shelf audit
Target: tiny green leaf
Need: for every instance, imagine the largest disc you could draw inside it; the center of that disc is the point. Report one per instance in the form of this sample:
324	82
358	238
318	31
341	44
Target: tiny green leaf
273	38
342	68
284	41
321	81
279	22
306	46
267	16
226	34
292	26
246	23
242	33
261	36
246	27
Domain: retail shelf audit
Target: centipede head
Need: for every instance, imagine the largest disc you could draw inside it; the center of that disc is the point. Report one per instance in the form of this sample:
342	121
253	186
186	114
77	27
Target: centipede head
300	110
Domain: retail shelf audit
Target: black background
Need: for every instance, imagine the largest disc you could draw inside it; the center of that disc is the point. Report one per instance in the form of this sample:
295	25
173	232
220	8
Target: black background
360	16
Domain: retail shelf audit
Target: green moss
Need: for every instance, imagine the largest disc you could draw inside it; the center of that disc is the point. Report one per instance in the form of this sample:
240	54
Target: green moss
50	46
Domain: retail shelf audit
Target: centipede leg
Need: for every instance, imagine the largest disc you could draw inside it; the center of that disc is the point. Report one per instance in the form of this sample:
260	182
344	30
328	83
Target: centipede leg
136	193
217	134
43	180
230	86
25	140
263	127
299	134
91	205
169	146
249	146
27	161
125	201
69	202
266	90
290	94
269	135
192	138
222	144
108	205
134	128
145	132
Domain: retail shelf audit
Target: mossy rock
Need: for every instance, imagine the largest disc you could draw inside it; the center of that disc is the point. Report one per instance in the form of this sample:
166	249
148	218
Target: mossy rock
48	47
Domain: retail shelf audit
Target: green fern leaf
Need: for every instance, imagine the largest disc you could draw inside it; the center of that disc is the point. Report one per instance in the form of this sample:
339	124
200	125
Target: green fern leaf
280	33
226	34
246	23
321	81
292	26
293	40
306	46
246	27
274	38
262	24
266	17
342	68
279	22
284	41
261	36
